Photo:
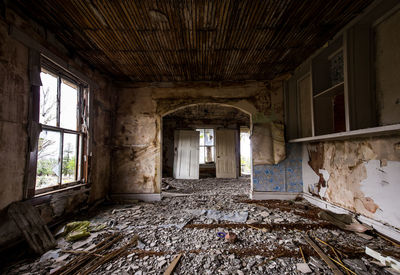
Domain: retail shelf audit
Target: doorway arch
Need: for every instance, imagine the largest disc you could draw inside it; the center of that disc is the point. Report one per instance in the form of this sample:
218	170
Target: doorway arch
242	106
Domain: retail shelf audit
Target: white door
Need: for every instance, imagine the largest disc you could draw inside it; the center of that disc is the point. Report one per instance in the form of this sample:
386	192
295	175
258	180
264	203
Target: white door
225	147
186	159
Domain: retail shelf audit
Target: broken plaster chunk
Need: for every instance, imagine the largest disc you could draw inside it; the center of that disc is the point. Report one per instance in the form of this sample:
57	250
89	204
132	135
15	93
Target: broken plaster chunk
51	254
385	260
264	214
303	268
162	263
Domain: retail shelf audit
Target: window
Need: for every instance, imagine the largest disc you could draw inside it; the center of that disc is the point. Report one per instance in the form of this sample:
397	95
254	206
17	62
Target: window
60	143
207	146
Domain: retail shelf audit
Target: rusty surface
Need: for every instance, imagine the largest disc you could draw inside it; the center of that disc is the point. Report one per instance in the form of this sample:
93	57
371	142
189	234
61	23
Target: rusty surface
169	40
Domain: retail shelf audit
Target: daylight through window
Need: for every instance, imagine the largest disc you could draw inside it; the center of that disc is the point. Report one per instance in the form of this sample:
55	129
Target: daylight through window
207	146
60	141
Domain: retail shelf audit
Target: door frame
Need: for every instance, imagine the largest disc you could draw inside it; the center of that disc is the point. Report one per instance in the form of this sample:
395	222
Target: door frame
247	108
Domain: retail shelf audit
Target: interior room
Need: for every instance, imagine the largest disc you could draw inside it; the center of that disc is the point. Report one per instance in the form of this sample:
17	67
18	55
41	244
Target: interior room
199	137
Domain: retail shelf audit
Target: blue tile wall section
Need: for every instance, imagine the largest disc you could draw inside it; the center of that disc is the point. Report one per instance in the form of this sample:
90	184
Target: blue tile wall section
283	177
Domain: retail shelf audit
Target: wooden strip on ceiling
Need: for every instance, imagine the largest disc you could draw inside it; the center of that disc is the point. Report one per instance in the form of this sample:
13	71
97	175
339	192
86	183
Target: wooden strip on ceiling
193	40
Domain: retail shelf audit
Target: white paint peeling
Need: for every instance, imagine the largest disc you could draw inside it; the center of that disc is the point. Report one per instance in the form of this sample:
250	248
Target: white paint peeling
325	174
310	178
383	186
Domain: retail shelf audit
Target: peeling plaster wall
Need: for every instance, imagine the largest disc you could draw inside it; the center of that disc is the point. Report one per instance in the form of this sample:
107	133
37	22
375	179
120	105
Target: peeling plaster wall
14	100
136	154
361	175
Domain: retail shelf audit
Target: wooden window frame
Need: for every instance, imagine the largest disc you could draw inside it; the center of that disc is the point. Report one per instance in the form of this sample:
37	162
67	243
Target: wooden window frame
204	146
80	132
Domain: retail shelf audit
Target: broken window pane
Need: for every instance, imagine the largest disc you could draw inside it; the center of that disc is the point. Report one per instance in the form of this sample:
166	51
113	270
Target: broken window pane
48	99
69	158
209	136
69	103
48	161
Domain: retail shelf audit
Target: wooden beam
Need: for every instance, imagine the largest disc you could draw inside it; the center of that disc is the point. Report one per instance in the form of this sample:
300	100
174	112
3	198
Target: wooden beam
323	256
173	264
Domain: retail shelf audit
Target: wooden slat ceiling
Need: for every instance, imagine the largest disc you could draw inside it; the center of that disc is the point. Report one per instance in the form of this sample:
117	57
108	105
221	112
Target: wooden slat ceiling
165	40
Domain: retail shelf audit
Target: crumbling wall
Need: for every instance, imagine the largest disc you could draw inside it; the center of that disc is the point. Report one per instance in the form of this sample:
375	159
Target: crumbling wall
136	154
14	91
361	175
14	99
101	138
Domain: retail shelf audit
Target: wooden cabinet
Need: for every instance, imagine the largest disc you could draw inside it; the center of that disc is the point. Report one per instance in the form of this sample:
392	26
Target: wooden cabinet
334	92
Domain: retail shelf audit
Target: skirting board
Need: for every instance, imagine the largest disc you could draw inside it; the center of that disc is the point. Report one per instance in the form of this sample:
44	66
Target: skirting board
274	195
139	197
382	228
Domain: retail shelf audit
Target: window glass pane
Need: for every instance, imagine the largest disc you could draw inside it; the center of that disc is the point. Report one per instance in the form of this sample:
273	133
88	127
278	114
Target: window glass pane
48	161
201	155
209	136
48	99
69	104
201	136
69	158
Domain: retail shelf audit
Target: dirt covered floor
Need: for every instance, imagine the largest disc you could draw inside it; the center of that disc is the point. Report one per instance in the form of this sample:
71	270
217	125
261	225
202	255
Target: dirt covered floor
192	219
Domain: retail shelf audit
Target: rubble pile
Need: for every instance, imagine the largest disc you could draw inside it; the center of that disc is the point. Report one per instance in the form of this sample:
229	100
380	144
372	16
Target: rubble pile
261	239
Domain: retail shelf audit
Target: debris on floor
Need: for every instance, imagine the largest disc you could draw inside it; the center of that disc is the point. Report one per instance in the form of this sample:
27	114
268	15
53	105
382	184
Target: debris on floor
77	230
227	216
267	242
384	260
343	221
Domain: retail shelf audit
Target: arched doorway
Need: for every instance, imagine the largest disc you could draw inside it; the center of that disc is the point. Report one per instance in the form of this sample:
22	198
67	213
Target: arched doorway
211	124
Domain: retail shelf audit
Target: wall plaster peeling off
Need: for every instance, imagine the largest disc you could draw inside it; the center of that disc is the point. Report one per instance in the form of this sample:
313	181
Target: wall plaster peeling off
360	175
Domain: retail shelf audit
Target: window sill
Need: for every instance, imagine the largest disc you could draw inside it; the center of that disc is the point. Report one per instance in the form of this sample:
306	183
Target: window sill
58	190
369	132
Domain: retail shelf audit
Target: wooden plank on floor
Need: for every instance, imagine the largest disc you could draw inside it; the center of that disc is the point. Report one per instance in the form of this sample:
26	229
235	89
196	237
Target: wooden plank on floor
35	231
324	257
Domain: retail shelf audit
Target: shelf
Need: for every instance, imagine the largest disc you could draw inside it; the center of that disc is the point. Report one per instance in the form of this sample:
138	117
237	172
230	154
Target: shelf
375	131
337	89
